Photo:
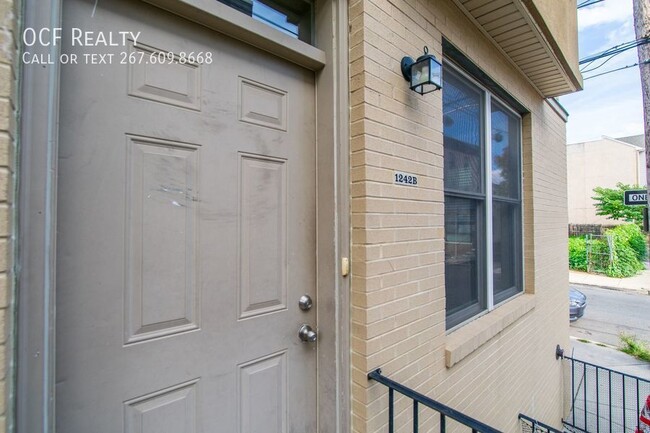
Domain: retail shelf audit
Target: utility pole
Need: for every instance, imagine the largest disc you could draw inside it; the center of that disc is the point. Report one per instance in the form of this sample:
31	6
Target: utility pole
641	12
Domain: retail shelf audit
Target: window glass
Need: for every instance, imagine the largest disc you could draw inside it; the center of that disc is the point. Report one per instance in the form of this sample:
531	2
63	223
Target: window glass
472	287
506	250
293	18
461	257
505	152
463	134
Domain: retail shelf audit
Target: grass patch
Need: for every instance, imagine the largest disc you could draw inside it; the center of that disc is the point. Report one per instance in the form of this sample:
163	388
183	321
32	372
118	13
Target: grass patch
601	345
635	347
582	340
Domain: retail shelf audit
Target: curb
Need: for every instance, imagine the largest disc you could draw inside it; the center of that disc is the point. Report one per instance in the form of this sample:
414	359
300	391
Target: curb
645	292
597	343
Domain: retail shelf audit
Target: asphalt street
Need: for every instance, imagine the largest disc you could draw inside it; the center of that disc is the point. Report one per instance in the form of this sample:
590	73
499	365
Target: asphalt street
610	313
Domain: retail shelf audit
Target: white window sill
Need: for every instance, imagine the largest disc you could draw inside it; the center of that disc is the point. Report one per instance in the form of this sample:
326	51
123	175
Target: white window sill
465	340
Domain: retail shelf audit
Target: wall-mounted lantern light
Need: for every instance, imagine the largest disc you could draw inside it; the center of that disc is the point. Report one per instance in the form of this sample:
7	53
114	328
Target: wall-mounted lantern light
423	74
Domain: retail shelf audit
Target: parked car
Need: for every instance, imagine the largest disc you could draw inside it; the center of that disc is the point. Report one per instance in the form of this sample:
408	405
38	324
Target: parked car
577	304
644	418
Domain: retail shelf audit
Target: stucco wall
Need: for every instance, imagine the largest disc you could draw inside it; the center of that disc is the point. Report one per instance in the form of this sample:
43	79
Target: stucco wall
589	165
8	98
504	363
560	19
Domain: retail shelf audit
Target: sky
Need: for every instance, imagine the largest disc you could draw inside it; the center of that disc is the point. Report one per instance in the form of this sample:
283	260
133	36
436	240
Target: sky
611	104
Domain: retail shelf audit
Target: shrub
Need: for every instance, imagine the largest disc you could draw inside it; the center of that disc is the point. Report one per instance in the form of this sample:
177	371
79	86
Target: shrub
625	262
627	253
633	346
634	237
628	250
577	253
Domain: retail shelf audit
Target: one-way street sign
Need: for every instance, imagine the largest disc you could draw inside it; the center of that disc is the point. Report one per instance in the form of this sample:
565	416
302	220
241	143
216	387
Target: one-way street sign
636	197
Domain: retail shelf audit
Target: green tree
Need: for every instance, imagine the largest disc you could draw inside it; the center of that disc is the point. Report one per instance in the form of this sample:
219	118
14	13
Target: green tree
609	203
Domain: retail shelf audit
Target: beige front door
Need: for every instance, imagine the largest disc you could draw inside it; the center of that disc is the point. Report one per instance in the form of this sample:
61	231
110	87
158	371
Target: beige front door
186	233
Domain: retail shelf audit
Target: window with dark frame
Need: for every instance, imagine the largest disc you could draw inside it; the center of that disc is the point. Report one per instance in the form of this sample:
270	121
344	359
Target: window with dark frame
291	17
482	181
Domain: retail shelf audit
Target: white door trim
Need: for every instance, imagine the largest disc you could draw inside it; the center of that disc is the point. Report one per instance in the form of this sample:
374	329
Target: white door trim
38	144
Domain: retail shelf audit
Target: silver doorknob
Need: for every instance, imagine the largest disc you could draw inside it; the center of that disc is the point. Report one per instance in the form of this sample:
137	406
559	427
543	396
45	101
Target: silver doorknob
307	334
305	302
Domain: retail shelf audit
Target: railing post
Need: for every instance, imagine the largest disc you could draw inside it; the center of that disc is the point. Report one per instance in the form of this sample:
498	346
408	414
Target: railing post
391	411
584	389
443	423
573	389
610	400
637	404
624	405
597	400
415	416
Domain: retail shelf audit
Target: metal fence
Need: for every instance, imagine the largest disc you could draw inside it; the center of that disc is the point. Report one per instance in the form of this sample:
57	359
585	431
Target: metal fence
585	229
447	414
602	400
600	250
530	425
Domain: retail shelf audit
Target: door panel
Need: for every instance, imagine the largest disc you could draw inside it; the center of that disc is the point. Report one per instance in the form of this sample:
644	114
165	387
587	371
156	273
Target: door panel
161	296
186	234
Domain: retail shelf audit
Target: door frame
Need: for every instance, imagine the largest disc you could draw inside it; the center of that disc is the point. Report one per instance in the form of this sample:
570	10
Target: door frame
35	337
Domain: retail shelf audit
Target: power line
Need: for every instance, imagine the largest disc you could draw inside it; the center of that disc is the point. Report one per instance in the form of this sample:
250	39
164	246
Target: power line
618	69
610	53
588	3
615	50
585	70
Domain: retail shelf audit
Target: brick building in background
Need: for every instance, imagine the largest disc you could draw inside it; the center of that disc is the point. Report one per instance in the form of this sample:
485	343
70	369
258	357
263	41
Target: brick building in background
173	210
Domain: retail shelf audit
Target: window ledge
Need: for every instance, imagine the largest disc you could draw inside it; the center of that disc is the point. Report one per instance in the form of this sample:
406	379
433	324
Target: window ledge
465	340
237	25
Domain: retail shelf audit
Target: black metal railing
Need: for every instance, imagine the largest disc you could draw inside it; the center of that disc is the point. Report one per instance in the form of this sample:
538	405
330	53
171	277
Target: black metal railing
444	411
530	425
603	400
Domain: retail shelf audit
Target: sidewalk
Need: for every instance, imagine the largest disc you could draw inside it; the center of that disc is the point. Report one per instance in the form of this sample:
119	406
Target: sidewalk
639	283
608	357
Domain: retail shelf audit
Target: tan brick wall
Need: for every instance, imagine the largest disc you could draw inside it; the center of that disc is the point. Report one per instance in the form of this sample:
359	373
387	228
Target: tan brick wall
398	294
8	97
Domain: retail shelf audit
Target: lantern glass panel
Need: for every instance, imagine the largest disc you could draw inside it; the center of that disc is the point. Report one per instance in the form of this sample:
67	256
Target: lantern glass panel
426	76
436	73
420	73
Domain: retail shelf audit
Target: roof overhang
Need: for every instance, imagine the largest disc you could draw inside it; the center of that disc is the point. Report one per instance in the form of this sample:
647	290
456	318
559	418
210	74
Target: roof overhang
520	33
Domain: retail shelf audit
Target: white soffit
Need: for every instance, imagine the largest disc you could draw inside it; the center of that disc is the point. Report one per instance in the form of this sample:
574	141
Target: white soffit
509	25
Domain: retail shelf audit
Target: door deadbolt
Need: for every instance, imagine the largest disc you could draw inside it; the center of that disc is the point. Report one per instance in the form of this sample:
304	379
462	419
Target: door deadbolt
305	302
307	334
